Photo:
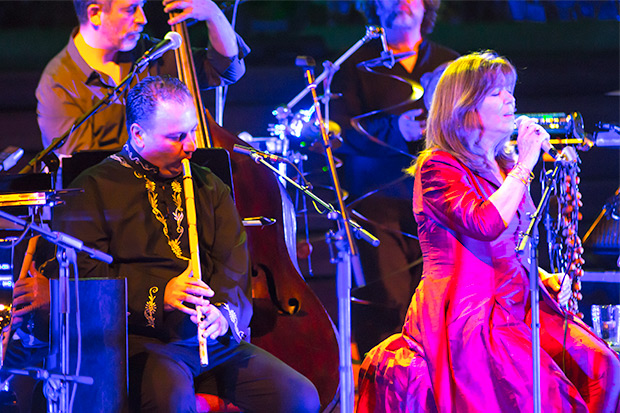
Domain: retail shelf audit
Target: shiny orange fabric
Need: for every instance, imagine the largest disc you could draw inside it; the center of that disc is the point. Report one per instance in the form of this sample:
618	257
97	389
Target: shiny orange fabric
466	342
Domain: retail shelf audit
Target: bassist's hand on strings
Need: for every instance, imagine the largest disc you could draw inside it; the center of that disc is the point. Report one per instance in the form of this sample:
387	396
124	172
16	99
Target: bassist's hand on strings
201	10
221	34
186	289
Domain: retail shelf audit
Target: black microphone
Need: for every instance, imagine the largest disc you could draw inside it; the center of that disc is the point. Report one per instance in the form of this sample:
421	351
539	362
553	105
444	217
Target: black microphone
546	145
386	54
246	150
9	157
171	41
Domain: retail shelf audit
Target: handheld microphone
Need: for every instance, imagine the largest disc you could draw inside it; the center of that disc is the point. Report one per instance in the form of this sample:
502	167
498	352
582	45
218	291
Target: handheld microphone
546	145
246	150
171	41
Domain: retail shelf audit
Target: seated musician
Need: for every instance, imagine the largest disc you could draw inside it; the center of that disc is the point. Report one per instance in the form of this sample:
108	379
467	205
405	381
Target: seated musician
133	208
466	342
100	54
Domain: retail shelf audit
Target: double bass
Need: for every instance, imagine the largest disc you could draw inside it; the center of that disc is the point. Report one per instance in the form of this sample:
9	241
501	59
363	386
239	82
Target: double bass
289	321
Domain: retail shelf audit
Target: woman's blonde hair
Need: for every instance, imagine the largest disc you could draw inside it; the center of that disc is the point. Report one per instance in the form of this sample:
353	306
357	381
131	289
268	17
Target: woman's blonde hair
453	117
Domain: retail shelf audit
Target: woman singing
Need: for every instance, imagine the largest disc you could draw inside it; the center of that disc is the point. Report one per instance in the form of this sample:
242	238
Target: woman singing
466	342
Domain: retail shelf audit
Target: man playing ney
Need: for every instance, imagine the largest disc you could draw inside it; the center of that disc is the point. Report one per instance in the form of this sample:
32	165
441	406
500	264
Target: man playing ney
133	208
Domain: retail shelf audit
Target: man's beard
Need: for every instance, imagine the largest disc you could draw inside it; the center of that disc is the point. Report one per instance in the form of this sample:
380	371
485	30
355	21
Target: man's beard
400	20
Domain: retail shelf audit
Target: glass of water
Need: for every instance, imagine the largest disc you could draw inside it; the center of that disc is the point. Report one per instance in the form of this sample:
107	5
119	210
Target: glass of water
605	323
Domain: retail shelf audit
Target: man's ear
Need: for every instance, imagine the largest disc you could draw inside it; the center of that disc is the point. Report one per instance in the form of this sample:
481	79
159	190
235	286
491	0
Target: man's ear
94	12
136	134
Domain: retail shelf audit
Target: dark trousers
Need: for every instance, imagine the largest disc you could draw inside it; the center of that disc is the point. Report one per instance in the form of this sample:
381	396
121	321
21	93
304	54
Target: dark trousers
163	377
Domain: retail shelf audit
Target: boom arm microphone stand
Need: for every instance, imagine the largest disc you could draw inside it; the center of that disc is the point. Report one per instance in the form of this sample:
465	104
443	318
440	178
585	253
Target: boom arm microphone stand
345	261
67	251
372	32
138	67
59	141
348	258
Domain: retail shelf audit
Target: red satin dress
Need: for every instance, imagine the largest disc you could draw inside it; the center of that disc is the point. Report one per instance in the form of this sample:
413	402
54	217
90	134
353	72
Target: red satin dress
466	342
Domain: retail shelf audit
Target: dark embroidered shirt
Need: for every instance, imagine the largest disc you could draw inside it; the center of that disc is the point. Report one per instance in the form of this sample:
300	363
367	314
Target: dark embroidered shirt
116	214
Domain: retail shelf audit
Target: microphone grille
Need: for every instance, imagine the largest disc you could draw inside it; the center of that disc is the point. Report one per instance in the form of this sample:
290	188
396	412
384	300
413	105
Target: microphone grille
175	39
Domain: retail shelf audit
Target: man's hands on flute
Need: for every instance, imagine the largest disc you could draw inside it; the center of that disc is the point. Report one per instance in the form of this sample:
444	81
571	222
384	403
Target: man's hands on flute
184	289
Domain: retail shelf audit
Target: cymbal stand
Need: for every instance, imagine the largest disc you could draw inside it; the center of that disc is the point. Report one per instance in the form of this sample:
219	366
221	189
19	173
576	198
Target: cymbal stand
57	385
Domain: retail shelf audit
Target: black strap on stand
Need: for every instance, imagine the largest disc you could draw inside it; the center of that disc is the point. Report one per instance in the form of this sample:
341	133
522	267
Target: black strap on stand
58	384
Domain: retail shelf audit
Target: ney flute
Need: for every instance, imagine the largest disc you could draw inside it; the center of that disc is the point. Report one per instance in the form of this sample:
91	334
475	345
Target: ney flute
190	206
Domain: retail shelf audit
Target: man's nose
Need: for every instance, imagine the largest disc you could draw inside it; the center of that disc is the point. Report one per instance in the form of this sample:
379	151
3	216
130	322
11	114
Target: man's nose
189	145
140	16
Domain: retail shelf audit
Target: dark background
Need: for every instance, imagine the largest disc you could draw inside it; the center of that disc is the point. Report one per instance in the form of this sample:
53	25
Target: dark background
566	53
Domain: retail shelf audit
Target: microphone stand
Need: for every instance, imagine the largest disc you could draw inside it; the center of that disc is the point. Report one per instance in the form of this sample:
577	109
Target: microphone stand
331	212
57	384
106	100
531	237
372	32
347	259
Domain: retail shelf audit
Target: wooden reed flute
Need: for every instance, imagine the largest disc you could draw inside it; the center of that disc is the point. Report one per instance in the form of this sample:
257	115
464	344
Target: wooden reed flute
190	206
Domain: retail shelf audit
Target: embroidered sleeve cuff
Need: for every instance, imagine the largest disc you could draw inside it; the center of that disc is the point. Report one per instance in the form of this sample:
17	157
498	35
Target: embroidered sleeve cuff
233	321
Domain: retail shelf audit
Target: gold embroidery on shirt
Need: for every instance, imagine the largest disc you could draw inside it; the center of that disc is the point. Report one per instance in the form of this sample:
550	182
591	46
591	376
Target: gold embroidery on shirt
178	215
150	308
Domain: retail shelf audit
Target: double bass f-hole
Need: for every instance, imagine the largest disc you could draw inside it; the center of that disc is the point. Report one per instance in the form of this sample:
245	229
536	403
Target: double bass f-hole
293	306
